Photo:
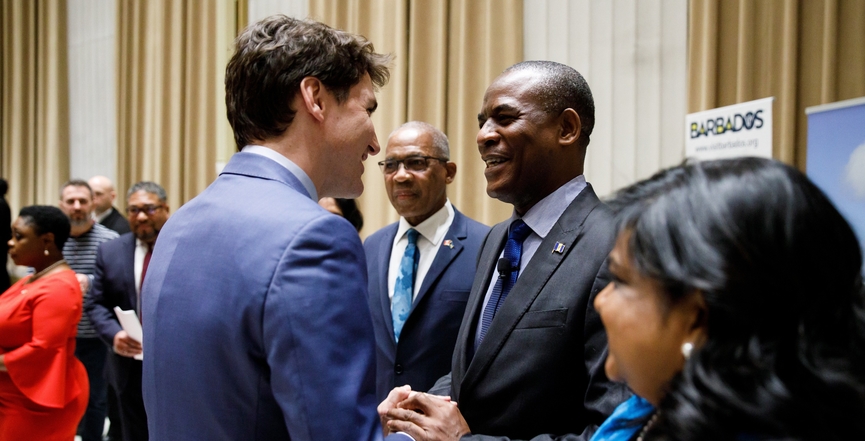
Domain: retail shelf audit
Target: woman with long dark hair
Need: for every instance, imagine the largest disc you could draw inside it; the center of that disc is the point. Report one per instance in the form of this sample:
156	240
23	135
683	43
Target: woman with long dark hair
736	310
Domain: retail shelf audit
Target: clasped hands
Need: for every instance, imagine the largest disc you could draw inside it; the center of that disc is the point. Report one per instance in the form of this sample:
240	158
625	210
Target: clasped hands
423	416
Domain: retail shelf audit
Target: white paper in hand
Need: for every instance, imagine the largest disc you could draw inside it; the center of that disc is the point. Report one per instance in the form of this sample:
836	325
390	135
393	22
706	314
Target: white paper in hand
129	322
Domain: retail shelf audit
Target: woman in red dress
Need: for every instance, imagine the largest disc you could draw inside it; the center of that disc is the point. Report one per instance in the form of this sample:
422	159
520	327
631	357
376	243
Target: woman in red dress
43	387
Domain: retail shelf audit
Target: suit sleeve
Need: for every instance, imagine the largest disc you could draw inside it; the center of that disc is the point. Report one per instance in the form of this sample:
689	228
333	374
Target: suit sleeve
319	338
96	307
442	386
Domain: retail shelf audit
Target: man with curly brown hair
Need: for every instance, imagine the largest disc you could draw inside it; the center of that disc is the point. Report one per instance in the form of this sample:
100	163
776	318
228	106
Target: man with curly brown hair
255	319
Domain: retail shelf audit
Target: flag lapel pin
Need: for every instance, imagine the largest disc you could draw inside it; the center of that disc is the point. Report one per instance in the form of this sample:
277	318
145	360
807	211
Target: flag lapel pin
559	248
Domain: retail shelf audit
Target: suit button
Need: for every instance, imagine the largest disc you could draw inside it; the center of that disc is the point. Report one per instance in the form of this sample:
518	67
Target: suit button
398	369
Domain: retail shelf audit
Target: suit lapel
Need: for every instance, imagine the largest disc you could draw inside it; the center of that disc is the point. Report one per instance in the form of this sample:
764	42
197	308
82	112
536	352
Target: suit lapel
531	282
129	271
494	243
445	255
384	252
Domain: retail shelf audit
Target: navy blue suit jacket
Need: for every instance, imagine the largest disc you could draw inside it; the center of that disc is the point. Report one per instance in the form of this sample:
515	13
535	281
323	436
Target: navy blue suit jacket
427	339
256	325
113	285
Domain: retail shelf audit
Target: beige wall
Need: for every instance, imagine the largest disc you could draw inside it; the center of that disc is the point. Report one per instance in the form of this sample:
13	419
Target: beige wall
633	53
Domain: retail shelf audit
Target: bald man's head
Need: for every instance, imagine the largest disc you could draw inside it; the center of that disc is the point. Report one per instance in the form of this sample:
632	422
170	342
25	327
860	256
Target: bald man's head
103	193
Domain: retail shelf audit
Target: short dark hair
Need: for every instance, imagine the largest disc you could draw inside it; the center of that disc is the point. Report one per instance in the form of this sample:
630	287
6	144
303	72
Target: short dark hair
351	212
4	187
561	87
47	219
271	58
76	183
780	272
149	187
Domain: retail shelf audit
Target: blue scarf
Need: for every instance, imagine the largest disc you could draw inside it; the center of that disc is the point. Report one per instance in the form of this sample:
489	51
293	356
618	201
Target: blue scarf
623	424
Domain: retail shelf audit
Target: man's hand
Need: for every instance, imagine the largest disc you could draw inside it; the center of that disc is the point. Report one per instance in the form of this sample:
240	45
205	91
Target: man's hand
396	396
125	345
83	281
426	418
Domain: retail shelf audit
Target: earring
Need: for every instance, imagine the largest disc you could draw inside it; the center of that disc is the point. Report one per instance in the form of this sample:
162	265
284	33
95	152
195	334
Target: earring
46	251
687	348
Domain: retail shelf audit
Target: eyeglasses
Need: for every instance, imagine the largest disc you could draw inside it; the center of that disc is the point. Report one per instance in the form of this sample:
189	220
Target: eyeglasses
149	210
412	164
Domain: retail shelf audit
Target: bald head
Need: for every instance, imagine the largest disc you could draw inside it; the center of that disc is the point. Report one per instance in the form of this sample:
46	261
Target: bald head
440	146
103	193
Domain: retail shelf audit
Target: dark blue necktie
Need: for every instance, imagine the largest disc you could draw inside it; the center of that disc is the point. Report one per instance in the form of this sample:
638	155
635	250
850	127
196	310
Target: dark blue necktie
506	280
403	290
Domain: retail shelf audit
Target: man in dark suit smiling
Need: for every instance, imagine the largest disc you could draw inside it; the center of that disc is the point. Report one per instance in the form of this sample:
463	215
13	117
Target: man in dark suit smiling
529	358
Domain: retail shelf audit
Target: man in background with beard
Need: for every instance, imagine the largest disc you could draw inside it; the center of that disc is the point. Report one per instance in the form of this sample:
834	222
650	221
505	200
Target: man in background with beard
76	201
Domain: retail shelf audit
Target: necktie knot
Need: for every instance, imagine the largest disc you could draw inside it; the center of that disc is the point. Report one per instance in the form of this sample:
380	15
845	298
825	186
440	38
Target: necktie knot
412	234
519	231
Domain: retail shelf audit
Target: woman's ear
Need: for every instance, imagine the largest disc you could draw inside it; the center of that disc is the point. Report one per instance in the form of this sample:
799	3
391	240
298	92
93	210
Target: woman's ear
699	313
47	240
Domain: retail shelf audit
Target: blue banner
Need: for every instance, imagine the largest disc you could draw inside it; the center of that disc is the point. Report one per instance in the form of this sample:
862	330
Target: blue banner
836	157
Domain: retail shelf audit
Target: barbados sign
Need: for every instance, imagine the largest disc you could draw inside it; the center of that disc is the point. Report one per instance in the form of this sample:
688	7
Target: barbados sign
739	130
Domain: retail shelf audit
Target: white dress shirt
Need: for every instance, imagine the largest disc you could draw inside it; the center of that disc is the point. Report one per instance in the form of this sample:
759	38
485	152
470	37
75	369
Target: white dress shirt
288	164
99	217
432	232
140	251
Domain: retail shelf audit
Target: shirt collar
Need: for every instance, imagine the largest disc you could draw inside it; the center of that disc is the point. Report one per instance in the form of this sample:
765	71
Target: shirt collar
543	215
429	228
288	164
141	244
99	217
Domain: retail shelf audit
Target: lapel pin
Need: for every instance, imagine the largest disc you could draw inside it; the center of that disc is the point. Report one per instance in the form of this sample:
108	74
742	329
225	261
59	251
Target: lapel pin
448	243
559	248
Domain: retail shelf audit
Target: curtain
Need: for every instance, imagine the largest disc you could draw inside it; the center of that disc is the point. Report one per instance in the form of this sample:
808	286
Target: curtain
802	52
634	55
447	53
34	116
171	123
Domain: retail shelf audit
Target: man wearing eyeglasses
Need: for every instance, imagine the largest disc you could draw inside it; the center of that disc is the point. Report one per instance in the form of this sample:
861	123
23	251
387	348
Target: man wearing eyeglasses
417	307
121	266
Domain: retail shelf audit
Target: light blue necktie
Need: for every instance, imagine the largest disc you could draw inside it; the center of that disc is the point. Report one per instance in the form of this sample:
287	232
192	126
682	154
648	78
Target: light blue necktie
513	250
403	291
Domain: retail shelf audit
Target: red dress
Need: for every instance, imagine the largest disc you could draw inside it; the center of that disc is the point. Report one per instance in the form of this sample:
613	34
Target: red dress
44	393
